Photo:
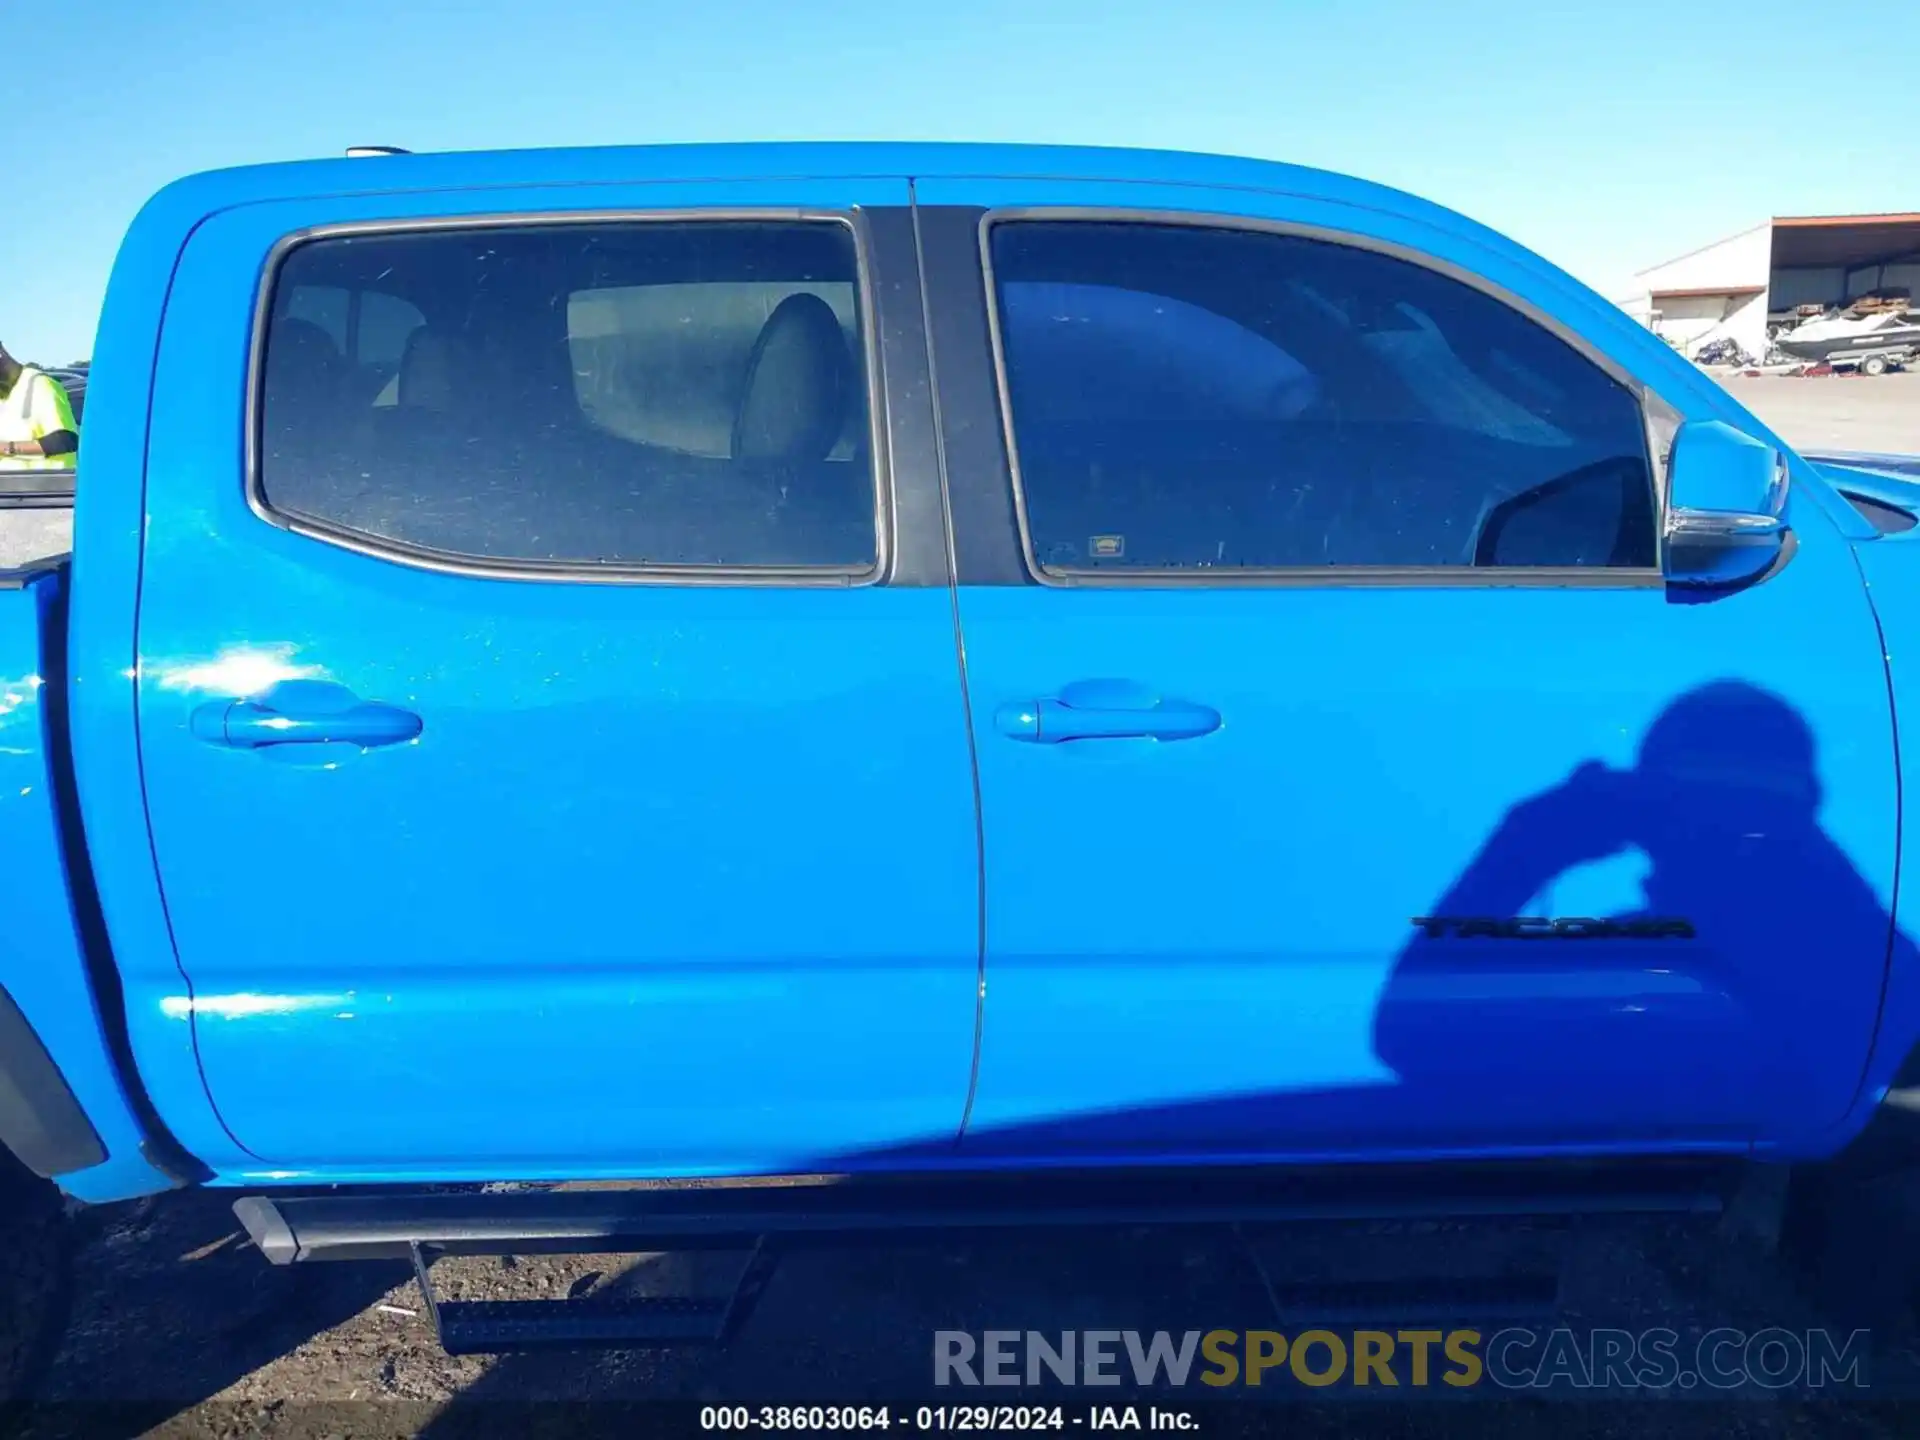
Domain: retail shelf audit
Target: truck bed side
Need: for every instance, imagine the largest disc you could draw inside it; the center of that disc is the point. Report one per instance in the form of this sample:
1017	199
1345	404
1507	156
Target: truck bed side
66	1106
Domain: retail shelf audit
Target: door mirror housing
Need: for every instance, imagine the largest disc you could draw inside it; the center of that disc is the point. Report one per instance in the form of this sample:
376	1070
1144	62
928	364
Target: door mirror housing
1726	508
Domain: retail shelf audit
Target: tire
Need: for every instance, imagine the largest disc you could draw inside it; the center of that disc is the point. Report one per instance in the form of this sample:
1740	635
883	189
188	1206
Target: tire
1874	365
35	1268
1847	1238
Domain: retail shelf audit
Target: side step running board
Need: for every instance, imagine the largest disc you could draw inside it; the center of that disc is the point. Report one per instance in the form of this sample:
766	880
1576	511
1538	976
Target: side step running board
761	1218
483	1327
380	1225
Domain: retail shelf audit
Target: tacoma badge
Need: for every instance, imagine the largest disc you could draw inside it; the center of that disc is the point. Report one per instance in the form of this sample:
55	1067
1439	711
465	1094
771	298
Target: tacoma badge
1536	927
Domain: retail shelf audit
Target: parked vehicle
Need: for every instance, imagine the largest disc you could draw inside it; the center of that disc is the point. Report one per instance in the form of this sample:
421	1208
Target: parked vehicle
937	662
73	379
1723	351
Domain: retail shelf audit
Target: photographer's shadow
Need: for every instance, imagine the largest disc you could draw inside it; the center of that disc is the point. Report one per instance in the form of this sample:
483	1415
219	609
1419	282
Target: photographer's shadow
1756	998
1740	995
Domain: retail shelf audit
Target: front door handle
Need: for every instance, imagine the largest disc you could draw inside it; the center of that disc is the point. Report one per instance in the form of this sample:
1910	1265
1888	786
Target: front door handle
1105	710
254	725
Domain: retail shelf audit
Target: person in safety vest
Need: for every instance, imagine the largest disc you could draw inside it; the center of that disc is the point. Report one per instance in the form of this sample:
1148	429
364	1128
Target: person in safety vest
37	431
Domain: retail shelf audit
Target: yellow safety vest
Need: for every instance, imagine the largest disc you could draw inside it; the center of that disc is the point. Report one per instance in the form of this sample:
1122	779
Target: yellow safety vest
35	408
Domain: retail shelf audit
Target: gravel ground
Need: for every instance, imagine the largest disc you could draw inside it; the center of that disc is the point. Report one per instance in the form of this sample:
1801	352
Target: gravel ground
180	1328
28	535
1837	412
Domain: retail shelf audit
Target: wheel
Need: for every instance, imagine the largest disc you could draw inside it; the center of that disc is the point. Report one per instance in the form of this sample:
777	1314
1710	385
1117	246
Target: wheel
1846	1238
1874	365
34	1272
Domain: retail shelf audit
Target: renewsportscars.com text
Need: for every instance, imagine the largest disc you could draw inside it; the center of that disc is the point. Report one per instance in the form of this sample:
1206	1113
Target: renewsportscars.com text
1515	1358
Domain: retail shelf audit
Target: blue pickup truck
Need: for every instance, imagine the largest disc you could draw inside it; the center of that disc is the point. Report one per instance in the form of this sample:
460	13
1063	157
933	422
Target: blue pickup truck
1055	683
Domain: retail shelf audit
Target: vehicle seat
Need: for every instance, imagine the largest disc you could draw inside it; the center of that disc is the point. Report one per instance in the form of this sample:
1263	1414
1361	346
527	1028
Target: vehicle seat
431	395
386	458
799	381
304	369
780	499
303	402
428	378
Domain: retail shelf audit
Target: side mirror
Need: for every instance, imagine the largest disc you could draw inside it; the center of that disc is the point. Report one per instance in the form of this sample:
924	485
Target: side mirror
1726	508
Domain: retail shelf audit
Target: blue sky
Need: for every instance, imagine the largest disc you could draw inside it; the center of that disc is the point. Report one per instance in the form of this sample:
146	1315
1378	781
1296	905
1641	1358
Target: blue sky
1607	134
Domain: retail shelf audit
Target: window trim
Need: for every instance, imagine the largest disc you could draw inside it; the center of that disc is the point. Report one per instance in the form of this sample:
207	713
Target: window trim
1322	576
423	557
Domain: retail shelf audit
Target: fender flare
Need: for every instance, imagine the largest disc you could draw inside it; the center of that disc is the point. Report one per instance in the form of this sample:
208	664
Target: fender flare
40	1120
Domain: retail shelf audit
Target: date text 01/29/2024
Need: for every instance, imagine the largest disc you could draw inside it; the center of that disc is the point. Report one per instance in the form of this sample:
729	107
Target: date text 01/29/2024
978	1418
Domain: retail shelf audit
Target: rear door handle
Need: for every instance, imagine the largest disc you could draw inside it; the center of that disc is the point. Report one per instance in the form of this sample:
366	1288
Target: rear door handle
252	725
1105	710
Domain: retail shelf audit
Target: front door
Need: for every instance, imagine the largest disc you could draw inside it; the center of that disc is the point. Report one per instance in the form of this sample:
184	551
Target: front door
1317	822
552	771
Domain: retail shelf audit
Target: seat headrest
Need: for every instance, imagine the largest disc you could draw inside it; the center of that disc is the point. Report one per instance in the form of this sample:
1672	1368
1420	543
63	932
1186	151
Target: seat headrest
793	405
301	357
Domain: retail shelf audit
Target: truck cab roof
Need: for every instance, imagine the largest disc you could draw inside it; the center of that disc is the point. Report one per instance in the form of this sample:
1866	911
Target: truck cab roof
627	164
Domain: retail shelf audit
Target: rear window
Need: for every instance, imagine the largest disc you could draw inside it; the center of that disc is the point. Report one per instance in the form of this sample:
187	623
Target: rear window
641	394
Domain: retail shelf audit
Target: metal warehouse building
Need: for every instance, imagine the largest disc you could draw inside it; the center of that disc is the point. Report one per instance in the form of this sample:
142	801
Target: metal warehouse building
1735	286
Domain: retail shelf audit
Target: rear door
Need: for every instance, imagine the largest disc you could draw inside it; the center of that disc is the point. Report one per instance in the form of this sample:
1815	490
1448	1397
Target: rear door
1286	781
554	745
